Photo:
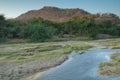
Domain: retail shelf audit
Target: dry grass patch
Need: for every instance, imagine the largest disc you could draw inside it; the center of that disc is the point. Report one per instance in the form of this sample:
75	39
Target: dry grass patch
111	68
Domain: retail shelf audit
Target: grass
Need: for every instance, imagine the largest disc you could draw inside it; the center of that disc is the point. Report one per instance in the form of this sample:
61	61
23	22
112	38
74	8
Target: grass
78	47
6	53
111	68
15	50
75	47
21	58
52	53
22	52
72	39
106	42
115	47
43	50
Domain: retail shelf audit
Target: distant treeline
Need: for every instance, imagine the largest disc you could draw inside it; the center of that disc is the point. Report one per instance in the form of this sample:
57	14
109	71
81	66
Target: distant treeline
40	30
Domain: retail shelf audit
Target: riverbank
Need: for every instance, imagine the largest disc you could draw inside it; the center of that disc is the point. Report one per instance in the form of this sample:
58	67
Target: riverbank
81	67
111	68
15	71
21	60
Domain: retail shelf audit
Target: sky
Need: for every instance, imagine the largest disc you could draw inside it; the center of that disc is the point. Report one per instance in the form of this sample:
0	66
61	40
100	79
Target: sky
13	8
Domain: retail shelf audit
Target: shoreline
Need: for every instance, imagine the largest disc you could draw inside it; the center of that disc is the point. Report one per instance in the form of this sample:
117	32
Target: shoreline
40	73
34	76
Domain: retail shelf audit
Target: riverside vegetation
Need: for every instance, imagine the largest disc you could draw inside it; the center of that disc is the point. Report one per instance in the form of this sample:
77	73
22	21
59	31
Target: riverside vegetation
38	30
111	68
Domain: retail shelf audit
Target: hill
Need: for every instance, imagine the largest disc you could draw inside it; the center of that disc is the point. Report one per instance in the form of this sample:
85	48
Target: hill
61	15
53	14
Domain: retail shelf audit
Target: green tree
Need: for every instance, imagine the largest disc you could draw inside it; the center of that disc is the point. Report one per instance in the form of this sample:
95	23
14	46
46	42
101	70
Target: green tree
3	32
17	29
87	26
39	34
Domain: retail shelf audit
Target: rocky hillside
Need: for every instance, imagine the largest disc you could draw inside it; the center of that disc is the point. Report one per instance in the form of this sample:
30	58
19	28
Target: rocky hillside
61	15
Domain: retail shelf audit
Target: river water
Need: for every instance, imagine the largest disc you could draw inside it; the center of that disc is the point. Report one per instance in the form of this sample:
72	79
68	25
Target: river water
81	67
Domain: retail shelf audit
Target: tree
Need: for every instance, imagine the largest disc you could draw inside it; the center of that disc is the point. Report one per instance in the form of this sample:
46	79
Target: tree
70	27
3	31
39	33
87	26
17	29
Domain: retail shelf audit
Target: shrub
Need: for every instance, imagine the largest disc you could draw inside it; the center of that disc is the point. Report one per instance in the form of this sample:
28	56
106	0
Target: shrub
20	58
39	34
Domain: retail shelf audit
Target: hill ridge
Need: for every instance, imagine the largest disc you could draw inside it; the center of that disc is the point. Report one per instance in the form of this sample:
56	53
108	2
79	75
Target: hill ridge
56	14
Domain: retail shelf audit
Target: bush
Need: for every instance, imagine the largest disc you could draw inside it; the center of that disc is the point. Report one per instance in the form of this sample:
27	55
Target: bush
76	47
20	58
39	34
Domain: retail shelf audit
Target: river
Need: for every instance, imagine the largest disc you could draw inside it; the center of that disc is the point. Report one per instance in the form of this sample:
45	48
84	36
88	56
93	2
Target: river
81	67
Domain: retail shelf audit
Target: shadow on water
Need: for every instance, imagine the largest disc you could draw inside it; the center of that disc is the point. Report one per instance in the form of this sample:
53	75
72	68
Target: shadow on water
81	67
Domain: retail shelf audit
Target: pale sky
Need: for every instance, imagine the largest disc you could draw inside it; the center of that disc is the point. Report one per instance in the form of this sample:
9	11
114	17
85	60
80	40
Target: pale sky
13	8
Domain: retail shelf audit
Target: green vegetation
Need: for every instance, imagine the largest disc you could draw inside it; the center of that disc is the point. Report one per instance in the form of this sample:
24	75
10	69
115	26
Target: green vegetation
5	53
69	48
38	30
115	47
3	29
78	47
38	51
111	68
20	58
